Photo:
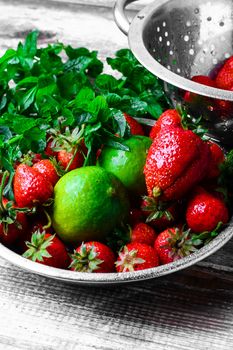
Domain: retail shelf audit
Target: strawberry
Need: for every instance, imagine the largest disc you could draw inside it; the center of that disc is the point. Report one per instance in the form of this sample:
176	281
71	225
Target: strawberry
93	257
173	244
170	170
201	79
223	108
224	78
136	256
216	159
69	147
167	119
205	210
46	167
143	233
47	249
30	187
13	222
49	148
70	160
135	127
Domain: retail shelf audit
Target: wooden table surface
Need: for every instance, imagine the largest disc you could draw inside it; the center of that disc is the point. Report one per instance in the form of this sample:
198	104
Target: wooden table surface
192	309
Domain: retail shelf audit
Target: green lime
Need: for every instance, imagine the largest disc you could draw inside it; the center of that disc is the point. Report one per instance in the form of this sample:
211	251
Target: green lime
88	203
128	166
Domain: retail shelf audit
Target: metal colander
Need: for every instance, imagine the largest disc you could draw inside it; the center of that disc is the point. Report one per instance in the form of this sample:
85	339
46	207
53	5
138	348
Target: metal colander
177	39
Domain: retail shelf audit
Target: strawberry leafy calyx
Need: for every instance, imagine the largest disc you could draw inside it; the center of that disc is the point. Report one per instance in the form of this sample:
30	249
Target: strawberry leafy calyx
156	208
67	140
128	259
37	248
205	237
188	122
85	260
180	243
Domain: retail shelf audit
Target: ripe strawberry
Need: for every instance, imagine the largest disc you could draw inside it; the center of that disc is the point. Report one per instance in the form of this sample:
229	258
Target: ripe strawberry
223	108
49	148
70	160
143	233
135	127
47	249
224	79
173	244
201	79
170	170
167	119
205	210
136	256
46	167
13	222
69	147
93	257
30	187
216	159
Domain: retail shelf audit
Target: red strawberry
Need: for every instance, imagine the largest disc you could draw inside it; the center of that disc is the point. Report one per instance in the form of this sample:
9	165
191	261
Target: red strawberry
69	160
47	249
205	210
46	167
136	256
135	127
143	233
30	187
224	79
224	108
169	118
13	222
93	257
49	148
201	79
177	160
69	147
173	244
216	159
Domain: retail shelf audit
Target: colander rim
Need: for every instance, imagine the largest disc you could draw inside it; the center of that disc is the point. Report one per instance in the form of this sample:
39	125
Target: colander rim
136	44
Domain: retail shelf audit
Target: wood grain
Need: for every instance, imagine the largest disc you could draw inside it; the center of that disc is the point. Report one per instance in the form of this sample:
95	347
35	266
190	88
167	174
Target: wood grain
187	310
182	311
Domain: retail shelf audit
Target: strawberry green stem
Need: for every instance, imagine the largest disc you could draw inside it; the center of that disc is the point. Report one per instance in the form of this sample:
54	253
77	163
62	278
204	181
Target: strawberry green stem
70	162
2	208
49	223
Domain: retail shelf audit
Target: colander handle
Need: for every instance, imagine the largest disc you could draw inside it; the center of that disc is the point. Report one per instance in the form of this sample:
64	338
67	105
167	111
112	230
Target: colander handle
120	16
